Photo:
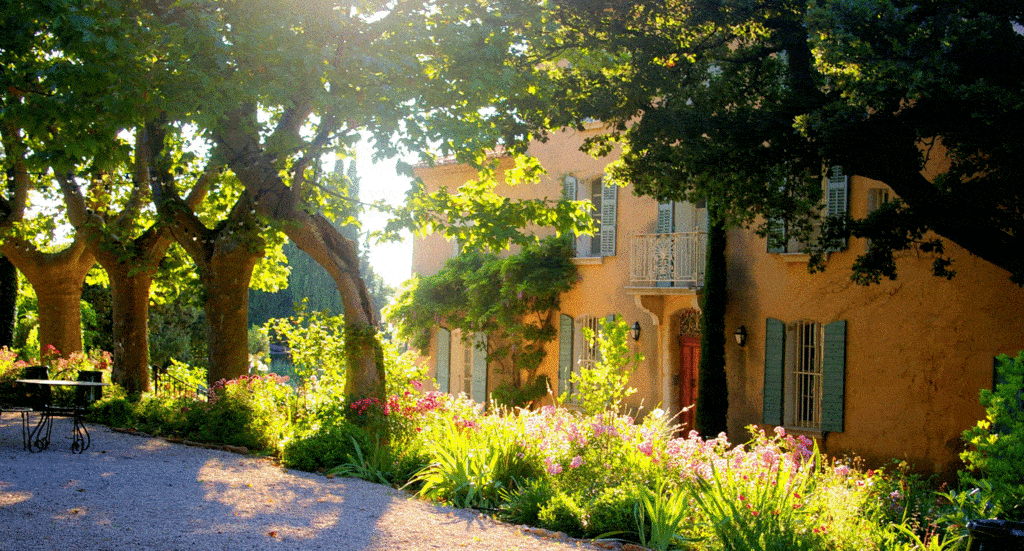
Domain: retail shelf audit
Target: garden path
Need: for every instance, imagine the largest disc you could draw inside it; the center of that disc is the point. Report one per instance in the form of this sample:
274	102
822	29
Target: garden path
135	492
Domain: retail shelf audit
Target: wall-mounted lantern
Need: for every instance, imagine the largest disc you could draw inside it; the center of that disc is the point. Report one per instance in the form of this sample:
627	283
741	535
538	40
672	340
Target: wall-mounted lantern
635	330
741	335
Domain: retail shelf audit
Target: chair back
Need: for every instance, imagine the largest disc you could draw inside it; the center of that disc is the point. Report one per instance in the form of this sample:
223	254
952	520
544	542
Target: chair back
36	396
85	395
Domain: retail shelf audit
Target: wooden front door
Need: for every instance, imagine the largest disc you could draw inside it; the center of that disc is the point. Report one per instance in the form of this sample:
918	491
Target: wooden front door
689	360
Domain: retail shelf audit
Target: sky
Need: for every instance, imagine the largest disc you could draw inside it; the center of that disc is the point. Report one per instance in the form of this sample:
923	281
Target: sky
380	181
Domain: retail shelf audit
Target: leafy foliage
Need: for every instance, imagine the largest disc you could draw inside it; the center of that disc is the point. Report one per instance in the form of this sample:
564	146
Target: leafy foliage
753	102
997	457
512	299
603	385
316	344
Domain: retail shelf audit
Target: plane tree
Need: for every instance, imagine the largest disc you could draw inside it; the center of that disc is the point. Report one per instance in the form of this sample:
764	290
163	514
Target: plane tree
259	91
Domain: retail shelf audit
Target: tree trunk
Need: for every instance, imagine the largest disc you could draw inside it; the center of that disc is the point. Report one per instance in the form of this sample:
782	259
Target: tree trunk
60	312
130	298
226	279
8	301
57	279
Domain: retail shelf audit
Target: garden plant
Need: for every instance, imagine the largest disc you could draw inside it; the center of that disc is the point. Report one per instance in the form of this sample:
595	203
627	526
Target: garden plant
594	472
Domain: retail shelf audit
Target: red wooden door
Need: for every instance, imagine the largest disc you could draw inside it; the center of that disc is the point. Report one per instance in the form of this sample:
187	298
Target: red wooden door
689	360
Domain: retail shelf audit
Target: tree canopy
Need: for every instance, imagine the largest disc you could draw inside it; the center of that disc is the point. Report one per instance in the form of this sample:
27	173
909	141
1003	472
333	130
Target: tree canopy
752	102
148	100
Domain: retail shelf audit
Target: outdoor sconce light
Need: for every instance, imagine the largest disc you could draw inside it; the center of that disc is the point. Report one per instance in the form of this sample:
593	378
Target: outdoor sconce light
741	335
635	330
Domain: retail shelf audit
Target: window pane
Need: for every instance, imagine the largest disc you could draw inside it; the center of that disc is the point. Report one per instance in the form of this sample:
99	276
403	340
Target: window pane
806	377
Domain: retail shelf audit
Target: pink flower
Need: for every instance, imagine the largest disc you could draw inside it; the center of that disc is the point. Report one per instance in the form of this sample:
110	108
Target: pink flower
576	462
841	470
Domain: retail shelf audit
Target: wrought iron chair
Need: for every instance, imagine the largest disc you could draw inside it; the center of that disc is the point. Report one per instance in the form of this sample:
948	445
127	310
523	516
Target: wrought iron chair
84	396
25	400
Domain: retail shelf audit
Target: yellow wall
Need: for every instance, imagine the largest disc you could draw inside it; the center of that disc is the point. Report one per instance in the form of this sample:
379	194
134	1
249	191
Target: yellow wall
918	348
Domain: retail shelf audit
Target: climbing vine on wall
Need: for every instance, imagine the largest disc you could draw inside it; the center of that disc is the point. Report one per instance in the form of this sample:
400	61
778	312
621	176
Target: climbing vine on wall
512	299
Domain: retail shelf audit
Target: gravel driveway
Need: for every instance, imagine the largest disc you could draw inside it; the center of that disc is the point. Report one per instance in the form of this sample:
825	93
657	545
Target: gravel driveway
134	492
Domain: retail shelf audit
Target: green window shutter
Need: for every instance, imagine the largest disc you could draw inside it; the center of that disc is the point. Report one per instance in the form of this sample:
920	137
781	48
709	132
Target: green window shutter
569	188
565	355
833	377
774	370
666	223
664	217
777	236
444	359
479	388
838	197
609	213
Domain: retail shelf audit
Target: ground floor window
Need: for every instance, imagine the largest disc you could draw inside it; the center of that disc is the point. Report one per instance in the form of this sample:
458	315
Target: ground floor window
804	375
574	350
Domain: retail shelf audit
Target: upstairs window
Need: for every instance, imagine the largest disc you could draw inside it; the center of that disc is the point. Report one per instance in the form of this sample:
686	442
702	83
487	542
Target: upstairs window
603	197
837	190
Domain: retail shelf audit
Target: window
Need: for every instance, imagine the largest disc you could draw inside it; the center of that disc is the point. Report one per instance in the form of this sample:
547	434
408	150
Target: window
836	204
589	351
804	374
604	198
574	350
877	197
444	348
473	372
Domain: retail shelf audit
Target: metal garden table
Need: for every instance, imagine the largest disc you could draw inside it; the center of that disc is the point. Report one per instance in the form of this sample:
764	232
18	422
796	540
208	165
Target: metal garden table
39	438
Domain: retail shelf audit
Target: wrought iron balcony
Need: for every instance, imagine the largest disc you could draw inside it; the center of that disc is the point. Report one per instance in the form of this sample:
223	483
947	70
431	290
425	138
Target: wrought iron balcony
668	260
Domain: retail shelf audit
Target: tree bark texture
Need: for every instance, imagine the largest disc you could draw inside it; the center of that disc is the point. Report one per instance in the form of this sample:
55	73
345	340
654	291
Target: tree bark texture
8	301
226	277
57	279
225	257
129	294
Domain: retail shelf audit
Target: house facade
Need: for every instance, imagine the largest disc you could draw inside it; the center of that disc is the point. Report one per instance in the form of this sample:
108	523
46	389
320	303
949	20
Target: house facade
887	371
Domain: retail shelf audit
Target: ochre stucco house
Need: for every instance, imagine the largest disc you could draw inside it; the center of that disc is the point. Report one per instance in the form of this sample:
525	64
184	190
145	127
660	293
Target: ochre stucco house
889	371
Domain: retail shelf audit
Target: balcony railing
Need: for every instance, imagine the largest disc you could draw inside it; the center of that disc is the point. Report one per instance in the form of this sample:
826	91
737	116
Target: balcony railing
668	260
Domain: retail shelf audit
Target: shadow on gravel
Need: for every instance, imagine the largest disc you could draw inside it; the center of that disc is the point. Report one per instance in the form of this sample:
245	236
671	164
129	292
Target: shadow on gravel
136	492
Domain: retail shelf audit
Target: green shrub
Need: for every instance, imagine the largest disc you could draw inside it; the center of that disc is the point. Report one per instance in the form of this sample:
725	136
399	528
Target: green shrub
523	505
229	422
603	385
114	409
325	448
997	456
252	411
613	512
563	514
475	461
10	371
